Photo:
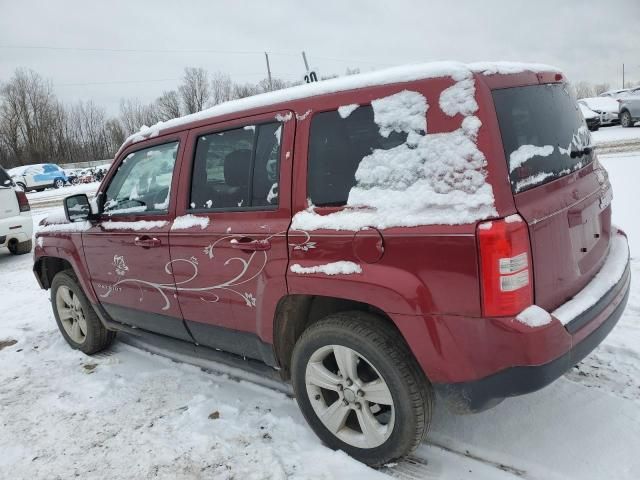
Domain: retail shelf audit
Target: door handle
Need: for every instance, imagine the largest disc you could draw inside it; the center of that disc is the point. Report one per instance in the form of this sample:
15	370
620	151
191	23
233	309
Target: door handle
147	242
246	243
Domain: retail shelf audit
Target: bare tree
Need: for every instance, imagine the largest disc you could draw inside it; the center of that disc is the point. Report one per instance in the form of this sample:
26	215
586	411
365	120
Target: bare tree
194	91
584	90
168	105
134	114
600	88
245	90
115	135
221	88
27	117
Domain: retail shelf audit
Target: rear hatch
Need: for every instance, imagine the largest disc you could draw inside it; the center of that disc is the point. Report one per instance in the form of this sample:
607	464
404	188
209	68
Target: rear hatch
558	187
8	201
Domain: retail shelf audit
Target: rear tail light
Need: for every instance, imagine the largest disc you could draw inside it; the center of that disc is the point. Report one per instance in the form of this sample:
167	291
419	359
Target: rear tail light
505	266
23	201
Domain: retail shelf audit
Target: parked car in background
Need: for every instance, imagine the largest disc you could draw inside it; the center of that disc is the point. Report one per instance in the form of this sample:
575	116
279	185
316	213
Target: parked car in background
16	225
39	176
591	117
605	107
629	105
372	239
614	93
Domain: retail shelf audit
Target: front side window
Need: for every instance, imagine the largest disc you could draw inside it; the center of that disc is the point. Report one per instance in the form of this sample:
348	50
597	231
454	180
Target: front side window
337	145
142	182
237	168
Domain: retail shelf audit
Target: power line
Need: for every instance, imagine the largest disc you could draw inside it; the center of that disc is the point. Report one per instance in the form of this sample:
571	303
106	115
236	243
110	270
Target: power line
202	51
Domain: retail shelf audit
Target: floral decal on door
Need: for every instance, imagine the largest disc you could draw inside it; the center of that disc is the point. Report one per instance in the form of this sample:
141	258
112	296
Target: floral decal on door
242	271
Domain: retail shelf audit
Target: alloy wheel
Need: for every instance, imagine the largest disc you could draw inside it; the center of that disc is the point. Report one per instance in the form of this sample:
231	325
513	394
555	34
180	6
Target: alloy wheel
349	396
71	314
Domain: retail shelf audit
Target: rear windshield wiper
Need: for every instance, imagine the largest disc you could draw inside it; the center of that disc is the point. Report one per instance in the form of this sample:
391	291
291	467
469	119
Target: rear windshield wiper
580	153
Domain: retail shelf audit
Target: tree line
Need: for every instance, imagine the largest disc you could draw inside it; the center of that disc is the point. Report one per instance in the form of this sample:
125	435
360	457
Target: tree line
36	127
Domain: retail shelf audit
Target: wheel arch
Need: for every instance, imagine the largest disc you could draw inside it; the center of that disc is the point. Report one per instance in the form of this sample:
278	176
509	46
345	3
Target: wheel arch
297	312
47	267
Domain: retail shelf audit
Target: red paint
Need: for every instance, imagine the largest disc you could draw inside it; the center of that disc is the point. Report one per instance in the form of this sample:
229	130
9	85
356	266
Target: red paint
426	279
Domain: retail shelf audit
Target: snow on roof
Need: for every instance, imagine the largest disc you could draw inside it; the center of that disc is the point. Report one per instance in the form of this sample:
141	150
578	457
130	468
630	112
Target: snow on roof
456	70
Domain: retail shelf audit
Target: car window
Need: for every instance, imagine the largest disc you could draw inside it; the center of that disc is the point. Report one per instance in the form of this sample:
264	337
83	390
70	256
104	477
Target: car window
5	180
336	147
50	168
543	134
142	182
237	168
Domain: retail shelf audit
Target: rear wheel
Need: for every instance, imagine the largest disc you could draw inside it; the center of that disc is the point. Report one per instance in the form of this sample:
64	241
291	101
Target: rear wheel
76	319
360	388
20	248
22	186
626	120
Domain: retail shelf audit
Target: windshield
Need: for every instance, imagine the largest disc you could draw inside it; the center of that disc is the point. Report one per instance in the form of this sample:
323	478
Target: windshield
543	133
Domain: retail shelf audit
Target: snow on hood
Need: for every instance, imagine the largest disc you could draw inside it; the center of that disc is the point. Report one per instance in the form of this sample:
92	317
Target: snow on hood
455	70
601	104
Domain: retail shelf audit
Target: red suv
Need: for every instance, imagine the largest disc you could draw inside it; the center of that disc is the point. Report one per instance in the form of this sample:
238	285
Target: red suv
383	240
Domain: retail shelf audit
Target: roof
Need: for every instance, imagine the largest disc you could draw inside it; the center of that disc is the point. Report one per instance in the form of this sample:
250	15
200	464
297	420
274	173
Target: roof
455	70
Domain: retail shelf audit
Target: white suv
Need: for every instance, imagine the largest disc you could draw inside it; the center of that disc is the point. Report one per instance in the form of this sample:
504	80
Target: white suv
16	225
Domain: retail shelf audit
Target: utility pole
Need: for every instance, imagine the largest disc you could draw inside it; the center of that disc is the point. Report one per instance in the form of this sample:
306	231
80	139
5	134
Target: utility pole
306	64
266	55
623	75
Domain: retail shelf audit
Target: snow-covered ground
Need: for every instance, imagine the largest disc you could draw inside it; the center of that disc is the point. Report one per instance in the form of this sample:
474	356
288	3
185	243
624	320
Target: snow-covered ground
609	136
131	414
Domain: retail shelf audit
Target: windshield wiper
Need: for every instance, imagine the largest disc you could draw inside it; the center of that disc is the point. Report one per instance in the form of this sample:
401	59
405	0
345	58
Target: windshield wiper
580	153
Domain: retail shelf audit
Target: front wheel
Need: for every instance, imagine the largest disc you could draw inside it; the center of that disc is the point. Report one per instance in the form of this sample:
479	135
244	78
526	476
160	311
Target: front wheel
58	183
76	319
360	388
22	186
626	120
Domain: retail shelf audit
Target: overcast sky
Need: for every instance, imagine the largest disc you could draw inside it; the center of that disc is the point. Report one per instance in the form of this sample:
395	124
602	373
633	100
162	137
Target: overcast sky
589	40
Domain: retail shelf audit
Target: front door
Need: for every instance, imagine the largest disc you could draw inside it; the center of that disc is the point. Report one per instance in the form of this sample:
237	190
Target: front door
230	262
127	250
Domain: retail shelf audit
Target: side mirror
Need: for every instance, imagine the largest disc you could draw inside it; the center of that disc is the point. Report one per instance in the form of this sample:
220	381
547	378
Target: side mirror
77	208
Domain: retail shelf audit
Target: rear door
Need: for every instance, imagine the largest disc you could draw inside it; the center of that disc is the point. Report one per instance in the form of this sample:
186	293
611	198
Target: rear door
127	250
8	201
558	186
230	266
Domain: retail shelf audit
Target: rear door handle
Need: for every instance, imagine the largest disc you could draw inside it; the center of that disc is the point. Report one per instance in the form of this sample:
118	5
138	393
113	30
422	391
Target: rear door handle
249	244
147	242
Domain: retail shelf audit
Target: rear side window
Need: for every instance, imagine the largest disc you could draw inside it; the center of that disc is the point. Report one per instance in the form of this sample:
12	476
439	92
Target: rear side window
5	180
336	147
543	134
237	169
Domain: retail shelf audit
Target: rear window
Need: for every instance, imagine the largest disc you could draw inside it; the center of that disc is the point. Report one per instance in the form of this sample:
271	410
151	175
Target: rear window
5	180
543	133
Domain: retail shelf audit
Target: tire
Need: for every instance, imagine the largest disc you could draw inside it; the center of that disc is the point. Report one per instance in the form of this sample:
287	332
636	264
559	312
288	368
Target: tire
21	248
58	183
95	336
22	186
625	119
381	355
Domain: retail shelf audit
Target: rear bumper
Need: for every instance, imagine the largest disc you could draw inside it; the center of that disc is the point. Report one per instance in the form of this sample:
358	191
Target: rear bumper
19	228
577	338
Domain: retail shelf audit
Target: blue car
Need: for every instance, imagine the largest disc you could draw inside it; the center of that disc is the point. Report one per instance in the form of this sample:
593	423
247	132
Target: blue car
38	177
